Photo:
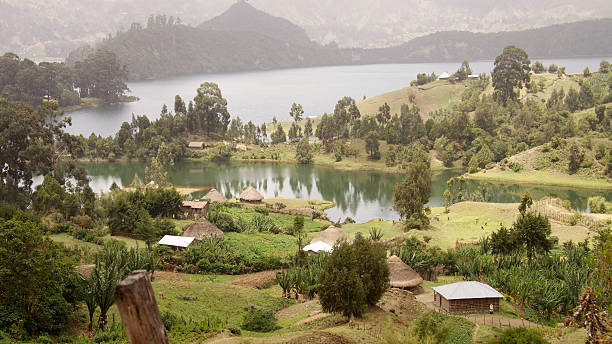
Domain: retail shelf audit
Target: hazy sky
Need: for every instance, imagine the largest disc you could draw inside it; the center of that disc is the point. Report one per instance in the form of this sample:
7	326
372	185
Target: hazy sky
34	27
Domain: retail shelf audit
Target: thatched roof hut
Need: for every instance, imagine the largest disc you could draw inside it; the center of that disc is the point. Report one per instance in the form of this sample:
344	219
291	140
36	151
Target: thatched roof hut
196	144
330	236
203	229
214	196
194	204
401	275
250	195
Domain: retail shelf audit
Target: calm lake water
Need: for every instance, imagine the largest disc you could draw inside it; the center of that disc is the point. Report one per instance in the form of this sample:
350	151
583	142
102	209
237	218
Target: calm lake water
362	195
260	96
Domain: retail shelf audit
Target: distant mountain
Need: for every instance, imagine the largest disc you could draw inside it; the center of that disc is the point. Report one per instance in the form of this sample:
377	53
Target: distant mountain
167	50
385	23
42	29
243	17
586	38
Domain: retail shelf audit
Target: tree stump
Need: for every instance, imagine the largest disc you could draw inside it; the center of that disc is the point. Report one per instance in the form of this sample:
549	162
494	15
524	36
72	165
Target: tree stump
138	308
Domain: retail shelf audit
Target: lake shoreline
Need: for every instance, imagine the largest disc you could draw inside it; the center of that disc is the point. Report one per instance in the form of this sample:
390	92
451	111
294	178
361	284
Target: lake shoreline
548	180
87	103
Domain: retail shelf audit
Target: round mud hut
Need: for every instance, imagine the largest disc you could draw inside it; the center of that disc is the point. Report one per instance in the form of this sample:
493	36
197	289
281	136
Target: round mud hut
214	196
203	229
330	236
250	195
401	275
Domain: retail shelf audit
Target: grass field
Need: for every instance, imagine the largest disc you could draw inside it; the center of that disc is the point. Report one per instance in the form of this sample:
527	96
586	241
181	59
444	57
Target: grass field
469	221
284	221
70	241
300	203
389	229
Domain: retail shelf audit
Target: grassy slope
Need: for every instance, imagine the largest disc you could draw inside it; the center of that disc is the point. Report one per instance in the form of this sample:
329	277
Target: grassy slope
70	241
429	97
536	169
469	221
466	222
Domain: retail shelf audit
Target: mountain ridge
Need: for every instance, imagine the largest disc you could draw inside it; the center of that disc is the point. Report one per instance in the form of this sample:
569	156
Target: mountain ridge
40	30
243	17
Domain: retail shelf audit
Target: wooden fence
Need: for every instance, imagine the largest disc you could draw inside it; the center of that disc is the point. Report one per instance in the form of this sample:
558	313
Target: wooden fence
493	320
547	207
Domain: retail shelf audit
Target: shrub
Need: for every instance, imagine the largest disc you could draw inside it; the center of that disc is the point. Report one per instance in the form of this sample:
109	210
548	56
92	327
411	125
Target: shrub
280	205
519	335
83	221
62	228
262	210
259	320
439	328
575	218
170	320
349	220
515	166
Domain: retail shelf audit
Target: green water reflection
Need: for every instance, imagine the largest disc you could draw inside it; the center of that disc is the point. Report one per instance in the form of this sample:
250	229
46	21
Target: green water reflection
362	195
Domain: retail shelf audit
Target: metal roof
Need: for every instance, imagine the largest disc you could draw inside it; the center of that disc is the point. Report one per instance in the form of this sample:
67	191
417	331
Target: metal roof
467	290
318	247
176	241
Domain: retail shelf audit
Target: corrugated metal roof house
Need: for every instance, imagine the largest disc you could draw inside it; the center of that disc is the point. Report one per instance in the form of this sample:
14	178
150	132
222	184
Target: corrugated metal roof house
467	297
176	242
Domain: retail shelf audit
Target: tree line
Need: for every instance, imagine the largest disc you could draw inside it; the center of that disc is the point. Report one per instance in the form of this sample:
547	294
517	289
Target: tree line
98	75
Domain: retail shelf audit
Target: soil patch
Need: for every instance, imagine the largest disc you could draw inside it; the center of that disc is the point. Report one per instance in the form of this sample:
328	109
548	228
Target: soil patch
259	280
299	308
402	303
320	337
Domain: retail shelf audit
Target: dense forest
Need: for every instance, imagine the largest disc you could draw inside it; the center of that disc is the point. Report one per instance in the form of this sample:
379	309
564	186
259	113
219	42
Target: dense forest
97	75
165	47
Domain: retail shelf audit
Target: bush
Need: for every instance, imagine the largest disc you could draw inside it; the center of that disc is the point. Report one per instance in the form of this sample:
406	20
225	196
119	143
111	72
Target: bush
82	221
575	218
515	166
259	320
170	320
262	210
519	335
439	328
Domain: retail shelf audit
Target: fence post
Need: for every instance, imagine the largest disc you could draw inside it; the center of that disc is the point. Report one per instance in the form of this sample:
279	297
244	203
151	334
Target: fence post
138	309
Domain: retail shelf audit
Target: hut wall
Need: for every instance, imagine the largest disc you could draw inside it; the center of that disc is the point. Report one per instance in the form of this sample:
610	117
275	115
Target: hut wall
470	305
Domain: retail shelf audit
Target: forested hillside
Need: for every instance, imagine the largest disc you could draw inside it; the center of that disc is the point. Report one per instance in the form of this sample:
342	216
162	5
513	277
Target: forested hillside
166	49
586	38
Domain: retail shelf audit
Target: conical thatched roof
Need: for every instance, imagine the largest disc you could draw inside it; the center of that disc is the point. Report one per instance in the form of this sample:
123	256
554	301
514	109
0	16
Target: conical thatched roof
203	229
250	195
215	196
401	275
330	236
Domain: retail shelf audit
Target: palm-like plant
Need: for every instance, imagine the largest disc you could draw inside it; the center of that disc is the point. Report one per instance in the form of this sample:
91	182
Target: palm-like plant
89	297
376	234
285	281
105	279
